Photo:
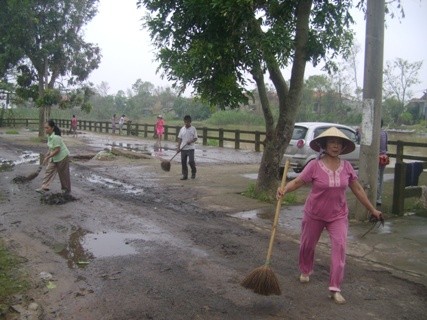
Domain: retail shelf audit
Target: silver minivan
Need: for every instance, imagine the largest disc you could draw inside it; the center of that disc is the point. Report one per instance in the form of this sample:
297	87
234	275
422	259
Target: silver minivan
299	152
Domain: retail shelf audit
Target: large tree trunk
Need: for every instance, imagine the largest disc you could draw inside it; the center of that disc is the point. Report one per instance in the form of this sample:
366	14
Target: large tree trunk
42	111
278	139
273	149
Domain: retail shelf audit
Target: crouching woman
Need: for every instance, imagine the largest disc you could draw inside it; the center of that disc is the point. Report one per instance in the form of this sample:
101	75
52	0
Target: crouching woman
57	159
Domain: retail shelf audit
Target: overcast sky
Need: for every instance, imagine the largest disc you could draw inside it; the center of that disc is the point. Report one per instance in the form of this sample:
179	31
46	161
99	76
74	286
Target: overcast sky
128	54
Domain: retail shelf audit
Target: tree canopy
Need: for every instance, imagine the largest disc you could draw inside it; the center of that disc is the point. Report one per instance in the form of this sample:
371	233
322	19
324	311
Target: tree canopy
219	46
399	76
42	45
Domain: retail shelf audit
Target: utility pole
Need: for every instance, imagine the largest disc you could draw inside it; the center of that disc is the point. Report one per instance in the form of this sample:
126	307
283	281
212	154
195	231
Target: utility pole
372	100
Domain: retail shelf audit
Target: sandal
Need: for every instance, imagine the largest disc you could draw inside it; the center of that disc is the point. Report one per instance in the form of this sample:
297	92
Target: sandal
337	297
304	278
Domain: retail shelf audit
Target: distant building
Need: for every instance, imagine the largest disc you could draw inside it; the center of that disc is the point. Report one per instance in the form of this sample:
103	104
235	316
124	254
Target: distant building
418	107
5	102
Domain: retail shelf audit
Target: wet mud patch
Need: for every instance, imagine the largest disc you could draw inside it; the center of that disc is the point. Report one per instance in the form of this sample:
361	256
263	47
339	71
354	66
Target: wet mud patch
131	154
83	157
6	165
20	179
24	179
57	198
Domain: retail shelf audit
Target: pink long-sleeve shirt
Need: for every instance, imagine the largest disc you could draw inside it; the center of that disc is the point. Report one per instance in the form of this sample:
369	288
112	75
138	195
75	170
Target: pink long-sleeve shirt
326	200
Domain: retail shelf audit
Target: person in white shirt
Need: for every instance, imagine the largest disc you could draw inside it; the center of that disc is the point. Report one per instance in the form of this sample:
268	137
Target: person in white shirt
186	138
121	123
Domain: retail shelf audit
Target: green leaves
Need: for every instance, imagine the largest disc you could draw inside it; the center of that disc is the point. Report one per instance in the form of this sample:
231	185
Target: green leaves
45	38
214	46
49	98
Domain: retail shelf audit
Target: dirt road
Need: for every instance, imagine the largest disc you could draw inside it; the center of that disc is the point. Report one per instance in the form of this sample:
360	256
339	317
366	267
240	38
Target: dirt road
138	243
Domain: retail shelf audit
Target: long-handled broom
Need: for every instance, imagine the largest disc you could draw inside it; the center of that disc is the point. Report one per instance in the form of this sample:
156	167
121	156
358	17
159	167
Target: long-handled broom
262	280
166	165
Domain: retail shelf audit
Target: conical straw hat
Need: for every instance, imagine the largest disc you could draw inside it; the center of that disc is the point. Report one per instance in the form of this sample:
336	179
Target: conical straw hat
320	141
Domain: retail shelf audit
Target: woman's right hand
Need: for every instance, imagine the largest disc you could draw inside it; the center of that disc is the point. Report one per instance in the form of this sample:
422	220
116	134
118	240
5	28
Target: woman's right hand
280	193
46	159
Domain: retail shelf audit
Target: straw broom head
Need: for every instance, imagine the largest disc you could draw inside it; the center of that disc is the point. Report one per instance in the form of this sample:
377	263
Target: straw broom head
166	165
263	281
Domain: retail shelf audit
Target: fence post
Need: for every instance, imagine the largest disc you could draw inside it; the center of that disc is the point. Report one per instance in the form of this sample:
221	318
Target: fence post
205	136
399	181
399	188
257	141
221	138
399	151
145	130
166	133
237	140
177	129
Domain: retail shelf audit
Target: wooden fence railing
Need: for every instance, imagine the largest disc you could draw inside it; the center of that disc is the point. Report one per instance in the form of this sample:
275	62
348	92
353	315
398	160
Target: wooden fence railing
219	137
251	138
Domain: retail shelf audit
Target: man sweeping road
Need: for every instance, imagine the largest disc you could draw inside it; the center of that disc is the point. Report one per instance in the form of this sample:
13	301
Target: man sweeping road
186	138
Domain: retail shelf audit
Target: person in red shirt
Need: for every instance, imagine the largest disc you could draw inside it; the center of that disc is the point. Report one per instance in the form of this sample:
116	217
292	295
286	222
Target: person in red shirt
74	126
160	129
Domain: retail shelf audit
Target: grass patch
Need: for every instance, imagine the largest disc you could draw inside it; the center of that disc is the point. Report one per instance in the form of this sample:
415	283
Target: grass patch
12	131
12	280
212	143
290	198
251	193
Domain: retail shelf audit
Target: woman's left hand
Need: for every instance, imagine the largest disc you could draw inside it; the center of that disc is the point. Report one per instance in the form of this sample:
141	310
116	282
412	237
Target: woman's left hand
377	215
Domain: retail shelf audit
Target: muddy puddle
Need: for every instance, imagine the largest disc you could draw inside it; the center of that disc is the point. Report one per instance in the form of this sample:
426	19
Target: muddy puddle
84	246
25	157
289	218
114	184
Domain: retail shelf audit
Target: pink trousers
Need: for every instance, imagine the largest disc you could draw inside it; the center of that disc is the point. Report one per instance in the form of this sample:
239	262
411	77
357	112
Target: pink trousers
310	234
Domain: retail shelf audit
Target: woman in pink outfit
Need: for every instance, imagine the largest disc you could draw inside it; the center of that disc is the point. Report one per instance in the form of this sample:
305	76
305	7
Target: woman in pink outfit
160	129
326	205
